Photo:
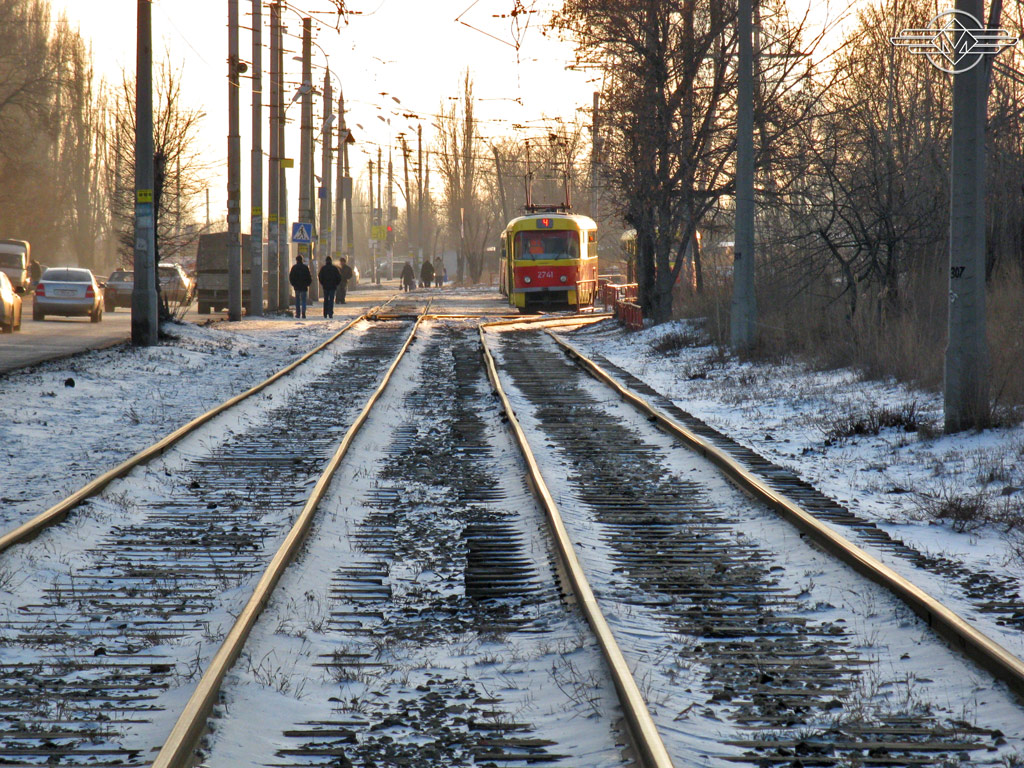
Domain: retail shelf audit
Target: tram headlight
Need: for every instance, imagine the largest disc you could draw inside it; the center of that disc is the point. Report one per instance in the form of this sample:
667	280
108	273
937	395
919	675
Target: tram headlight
564	279
527	280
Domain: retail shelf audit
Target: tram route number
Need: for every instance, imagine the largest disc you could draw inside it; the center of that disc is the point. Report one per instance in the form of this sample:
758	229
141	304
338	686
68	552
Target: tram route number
956	272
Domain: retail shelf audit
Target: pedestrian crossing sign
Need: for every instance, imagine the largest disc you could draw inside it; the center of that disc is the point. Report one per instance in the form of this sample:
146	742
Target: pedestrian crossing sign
302	232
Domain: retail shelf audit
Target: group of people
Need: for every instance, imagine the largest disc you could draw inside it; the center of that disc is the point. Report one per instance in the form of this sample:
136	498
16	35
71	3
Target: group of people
333	282
430	274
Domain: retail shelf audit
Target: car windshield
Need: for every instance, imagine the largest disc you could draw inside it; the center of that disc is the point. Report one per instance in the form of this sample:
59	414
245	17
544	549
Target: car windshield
122	277
16	260
559	244
67	276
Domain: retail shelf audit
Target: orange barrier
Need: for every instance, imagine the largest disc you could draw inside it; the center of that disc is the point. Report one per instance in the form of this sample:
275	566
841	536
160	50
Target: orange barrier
630	314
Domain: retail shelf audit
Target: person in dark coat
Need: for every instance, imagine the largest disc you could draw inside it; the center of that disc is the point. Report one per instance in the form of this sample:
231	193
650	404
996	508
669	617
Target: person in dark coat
329	277
300	279
426	274
438	272
408	277
346	274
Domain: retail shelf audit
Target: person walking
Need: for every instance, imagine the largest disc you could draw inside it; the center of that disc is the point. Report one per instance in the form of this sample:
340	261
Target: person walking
346	273
426	274
438	272
329	277
300	280
408	277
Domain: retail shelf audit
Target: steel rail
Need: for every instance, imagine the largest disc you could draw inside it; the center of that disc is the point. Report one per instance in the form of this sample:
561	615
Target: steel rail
646	740
178	750
957	631
59	511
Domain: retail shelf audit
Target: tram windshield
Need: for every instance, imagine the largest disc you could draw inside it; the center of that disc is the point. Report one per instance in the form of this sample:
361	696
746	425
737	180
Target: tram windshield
548	245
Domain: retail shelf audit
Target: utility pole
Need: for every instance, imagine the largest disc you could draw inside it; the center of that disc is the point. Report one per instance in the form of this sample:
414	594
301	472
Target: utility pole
744	308
391	211
144	316
339	206
234	172
380	205
408	200
419	191
283	230
256	168
326	182
373	240
350	241
595	152
966	372
501	185
306	147
274	162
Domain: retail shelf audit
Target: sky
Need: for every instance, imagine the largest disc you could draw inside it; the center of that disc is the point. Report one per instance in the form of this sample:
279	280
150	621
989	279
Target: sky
412	51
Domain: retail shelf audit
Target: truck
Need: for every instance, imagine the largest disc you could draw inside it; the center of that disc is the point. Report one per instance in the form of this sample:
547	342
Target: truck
15	256
212	272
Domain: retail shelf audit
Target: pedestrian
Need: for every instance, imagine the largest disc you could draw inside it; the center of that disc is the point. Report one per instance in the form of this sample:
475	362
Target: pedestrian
438	272
408	277
444	276
346	274
426	274
329	277
34	271
300	279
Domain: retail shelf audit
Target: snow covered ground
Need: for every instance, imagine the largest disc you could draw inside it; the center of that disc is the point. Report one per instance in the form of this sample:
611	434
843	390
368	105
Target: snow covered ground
787	413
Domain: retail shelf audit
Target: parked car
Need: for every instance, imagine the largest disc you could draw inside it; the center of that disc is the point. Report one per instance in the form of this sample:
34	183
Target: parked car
118	290
175	285
68	291
10	306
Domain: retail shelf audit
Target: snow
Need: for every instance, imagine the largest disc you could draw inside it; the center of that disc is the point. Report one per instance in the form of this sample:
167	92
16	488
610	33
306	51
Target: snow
56	435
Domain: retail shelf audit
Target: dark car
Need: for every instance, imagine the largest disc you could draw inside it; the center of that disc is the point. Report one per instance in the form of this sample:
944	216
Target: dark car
10	306
118	291
68	291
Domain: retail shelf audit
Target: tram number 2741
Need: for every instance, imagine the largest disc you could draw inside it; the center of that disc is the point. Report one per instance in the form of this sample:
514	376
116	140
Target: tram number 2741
545	273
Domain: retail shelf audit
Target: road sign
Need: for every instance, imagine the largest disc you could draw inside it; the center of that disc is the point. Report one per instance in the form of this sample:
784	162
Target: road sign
379	232
302	232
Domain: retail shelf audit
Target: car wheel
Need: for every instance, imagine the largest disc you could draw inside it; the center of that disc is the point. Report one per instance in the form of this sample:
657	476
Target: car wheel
37	314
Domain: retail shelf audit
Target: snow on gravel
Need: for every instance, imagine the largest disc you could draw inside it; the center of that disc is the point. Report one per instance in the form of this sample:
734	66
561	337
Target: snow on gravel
65	420
784	412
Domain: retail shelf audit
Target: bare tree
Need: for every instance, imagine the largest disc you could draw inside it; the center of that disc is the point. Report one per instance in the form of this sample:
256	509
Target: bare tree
183	173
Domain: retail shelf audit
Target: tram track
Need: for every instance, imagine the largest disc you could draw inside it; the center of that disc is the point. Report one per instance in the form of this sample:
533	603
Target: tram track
414	602
109	629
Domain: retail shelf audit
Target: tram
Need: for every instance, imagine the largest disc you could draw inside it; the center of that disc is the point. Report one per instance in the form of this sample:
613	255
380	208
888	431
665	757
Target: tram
548	260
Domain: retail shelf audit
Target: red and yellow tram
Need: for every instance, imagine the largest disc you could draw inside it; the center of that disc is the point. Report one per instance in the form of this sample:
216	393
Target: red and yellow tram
549	261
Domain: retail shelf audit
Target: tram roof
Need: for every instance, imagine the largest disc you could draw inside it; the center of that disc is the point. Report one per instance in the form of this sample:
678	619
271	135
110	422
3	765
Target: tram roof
522	222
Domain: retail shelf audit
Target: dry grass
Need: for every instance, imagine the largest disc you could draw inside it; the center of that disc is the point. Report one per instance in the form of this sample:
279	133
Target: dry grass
901	337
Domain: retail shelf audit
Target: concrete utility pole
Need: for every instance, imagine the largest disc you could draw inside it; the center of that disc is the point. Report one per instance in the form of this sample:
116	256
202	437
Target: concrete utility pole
145	326
966	374
744	308
256	172
306	147
595	151
339	191
274	163
346	192
419	192
373	240
326	182
234	172
283	230
391	210
408	200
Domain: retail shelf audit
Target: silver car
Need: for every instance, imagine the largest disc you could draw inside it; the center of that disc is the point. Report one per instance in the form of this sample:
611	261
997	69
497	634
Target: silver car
68	291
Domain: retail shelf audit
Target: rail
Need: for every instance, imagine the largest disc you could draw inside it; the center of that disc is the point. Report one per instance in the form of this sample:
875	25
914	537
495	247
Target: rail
59	511
178	751
960	635
646	739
